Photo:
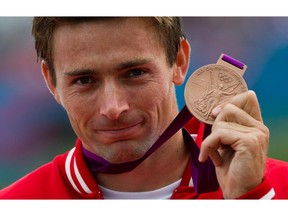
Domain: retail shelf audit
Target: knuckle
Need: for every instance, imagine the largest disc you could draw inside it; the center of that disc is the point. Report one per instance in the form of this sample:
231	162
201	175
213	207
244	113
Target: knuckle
253	139
228	108
229	111
218	126
263	133
258	140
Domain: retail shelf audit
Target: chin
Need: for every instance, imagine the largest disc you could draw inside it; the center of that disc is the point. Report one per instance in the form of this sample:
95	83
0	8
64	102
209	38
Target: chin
126	153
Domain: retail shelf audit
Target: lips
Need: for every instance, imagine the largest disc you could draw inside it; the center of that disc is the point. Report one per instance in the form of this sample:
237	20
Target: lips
119	133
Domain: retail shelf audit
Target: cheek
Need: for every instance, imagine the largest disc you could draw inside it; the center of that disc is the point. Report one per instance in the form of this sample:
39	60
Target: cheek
77	105
157	96
79	113
151	95
81	121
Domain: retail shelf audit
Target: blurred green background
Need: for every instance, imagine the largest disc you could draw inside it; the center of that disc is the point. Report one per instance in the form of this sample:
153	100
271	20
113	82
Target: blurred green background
34	128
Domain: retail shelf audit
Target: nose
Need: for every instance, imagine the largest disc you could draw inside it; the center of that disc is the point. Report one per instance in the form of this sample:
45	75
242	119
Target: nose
113	103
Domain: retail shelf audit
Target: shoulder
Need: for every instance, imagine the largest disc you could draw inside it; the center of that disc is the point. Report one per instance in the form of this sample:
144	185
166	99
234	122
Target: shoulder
276	168
36	183
277	173
27	185
273	165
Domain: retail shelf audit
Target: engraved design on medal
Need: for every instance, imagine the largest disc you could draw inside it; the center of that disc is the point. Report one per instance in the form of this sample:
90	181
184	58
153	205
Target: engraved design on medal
209	86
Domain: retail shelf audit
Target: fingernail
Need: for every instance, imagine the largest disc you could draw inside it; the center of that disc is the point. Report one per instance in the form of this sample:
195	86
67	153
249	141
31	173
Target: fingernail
216	111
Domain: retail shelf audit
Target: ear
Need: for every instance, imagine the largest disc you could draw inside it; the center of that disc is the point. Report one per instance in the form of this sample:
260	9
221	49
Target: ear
182	62
49	81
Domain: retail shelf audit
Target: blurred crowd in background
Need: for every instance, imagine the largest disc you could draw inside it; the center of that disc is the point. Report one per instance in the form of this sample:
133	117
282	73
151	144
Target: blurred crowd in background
34	128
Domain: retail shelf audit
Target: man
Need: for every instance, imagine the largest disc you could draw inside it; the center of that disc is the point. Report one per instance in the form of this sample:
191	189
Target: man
116	79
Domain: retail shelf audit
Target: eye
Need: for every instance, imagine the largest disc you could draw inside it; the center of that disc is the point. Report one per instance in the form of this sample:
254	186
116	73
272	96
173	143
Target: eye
135	73
84	80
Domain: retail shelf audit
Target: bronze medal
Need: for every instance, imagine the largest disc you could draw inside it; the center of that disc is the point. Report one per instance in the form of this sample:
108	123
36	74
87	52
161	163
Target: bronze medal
209	86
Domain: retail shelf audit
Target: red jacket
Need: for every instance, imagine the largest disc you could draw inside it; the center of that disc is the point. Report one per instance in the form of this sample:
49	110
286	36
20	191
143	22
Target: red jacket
68	177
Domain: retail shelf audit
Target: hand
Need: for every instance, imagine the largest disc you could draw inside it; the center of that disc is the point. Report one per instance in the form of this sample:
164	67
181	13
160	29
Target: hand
237	145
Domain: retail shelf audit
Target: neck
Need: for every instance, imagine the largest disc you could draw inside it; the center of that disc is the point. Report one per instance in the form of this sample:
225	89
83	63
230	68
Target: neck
165	166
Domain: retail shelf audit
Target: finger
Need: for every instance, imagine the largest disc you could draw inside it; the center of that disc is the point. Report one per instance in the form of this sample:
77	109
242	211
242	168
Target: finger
211	145
209	148
216	158
225	134
231	113
246	101
239	120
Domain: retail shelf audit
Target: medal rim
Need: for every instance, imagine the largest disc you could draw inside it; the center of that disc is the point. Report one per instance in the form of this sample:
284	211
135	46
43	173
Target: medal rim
212	67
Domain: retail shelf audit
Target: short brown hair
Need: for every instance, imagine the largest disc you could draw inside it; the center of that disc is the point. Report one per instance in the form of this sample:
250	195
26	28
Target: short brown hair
169	30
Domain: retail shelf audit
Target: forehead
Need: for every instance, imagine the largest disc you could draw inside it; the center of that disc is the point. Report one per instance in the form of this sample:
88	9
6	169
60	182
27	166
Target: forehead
106	29
109	38
109	27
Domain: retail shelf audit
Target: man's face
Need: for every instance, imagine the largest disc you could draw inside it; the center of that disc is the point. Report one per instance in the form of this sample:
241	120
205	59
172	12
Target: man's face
115	84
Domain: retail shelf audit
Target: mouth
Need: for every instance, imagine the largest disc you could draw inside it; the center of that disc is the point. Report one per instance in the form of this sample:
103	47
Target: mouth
119	133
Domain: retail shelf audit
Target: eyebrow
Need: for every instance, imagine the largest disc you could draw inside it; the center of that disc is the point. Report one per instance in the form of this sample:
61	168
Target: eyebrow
80	72
132	63
121	66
